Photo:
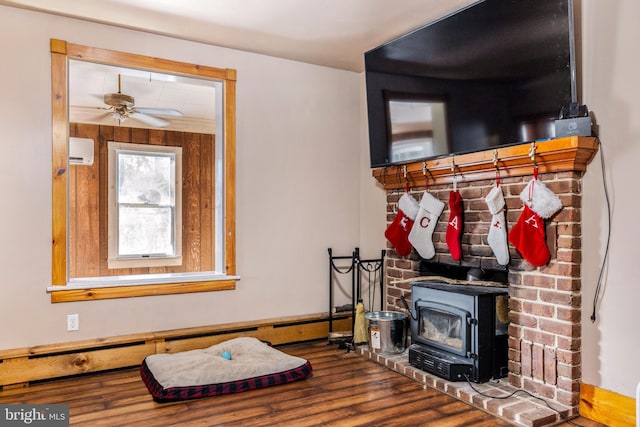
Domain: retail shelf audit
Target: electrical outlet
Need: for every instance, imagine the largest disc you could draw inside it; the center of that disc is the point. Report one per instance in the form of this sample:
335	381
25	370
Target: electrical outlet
73	322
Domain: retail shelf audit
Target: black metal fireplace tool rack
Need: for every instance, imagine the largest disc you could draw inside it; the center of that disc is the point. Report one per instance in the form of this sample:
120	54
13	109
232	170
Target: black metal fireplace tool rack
373	269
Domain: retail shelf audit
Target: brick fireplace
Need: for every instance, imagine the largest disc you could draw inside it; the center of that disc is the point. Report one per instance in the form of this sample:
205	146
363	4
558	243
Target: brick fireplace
545	302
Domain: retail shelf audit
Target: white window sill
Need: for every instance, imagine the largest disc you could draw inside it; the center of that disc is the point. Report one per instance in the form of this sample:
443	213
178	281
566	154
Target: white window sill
141	279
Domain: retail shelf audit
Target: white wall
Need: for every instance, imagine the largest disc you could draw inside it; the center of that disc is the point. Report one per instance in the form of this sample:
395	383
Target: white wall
611	68
298	180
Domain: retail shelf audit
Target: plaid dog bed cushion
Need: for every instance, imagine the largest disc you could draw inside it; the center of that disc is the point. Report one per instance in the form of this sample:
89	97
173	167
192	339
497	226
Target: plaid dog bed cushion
201	373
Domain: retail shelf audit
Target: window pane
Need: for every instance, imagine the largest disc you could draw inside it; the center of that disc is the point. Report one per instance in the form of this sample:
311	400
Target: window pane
145	178
145	230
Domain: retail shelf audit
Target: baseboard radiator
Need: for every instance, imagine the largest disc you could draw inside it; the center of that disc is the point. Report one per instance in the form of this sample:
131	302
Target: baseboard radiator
22	366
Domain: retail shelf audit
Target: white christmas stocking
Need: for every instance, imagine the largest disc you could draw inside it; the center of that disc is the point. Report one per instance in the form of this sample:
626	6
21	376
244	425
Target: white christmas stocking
421	235
498	229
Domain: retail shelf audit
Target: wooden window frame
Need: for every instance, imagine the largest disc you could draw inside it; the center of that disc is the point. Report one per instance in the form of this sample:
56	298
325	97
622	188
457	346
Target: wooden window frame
61	52
114	261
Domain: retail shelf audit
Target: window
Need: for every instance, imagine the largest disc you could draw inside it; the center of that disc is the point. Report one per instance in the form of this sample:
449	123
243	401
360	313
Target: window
219	195
145	205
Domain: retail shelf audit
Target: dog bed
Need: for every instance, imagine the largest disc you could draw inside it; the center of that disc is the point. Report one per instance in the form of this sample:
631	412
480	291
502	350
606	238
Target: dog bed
194	374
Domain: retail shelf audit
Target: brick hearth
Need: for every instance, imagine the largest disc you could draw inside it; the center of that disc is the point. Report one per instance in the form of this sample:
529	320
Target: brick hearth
519	409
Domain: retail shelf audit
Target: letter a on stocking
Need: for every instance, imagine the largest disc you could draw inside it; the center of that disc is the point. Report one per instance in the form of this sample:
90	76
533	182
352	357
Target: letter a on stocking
454	227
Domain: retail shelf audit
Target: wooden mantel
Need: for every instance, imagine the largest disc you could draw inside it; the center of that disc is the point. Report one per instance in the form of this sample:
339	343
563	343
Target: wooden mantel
554	155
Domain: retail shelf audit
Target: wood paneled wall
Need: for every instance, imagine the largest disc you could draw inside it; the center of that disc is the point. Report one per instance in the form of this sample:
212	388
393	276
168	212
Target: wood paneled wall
88	190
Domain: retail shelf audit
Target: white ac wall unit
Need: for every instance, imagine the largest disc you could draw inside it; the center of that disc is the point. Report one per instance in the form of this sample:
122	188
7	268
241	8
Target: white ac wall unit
81	151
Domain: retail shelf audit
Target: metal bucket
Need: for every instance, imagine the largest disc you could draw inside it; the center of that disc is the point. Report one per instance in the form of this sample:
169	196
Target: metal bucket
387	331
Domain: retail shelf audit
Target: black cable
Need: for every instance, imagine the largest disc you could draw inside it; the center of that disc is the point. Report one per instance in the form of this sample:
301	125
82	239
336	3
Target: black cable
513	393
596	295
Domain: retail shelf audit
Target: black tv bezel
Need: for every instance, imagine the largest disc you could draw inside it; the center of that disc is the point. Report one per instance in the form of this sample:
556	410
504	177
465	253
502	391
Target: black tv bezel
379	140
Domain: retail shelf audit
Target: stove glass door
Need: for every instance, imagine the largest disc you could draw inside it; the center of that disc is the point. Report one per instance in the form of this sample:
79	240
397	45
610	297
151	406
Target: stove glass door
445	327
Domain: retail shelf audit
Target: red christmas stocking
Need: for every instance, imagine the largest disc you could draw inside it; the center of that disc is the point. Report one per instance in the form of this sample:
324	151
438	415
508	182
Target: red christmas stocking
398	231
454	228
528	236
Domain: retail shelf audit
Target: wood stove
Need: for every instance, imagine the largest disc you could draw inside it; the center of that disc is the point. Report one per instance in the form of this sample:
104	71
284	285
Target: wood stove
459	331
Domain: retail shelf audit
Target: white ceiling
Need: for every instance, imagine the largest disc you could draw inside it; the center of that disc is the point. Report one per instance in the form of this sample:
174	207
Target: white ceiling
90	82
333	33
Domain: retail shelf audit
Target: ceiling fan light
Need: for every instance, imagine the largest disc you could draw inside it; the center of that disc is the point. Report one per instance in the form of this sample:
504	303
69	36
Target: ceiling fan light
119	116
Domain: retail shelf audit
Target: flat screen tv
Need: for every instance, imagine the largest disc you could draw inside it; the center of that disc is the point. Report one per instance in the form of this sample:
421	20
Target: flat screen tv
496	73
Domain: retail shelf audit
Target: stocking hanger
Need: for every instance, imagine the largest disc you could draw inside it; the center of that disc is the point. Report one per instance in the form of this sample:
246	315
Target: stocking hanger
398	177
532	155
453	172
406	181
424	172
495	165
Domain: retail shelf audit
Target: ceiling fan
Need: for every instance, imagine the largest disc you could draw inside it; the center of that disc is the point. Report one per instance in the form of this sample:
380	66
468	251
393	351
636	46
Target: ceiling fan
122	106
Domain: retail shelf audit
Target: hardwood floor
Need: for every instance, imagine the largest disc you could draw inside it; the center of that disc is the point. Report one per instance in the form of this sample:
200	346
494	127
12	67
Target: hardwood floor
344	390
